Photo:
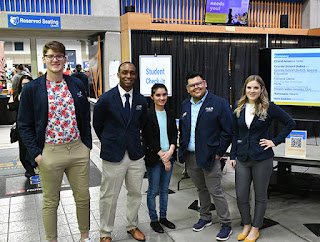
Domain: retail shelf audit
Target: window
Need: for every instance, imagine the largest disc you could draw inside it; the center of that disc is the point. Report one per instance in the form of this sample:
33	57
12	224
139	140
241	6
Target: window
8	46
18	46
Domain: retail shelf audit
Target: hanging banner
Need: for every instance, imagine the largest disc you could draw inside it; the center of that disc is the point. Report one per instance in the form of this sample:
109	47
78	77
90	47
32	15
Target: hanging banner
155	69
71	58
2	61
233	12
95	65
34	21
113	71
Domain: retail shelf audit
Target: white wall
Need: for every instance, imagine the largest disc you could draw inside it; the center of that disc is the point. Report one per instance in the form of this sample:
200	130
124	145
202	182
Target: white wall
23	57
314	14
26	46
310	14
106	8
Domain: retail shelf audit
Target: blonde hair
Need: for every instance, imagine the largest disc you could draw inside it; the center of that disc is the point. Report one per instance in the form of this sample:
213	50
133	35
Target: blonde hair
261	105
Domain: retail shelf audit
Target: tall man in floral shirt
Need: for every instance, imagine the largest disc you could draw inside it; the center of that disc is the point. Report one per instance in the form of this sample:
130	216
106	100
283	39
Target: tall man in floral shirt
54	124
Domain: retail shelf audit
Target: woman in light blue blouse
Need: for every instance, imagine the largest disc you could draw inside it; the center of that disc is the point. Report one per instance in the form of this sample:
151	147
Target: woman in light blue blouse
160	136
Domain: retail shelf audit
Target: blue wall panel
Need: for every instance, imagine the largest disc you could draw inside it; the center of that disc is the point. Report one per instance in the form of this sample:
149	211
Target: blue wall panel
82	7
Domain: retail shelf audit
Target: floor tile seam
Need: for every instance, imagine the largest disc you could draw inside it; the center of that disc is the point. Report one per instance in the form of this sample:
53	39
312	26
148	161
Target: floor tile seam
292	231
290	208
7	146
8	219
38	225
36	230
170	236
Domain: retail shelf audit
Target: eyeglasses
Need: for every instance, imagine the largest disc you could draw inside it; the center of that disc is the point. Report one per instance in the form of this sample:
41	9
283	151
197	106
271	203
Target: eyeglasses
51	57
196	84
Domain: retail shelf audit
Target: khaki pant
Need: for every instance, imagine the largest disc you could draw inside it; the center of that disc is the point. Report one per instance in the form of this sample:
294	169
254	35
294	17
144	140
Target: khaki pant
73	159
113	175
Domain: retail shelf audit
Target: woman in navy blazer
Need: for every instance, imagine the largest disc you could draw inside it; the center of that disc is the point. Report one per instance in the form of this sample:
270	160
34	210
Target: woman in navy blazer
251	152
160	136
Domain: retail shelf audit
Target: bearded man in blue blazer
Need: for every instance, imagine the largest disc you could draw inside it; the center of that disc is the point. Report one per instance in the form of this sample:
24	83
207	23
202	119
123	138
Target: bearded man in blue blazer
118	119
205	134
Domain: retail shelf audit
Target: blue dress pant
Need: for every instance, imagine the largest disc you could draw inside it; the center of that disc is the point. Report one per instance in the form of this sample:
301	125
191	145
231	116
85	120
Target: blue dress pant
159	180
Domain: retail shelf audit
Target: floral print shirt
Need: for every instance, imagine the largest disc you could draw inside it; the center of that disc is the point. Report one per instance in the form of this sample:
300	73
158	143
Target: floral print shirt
62	123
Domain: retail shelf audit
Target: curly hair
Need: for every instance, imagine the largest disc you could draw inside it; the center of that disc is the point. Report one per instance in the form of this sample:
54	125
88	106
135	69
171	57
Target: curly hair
261	105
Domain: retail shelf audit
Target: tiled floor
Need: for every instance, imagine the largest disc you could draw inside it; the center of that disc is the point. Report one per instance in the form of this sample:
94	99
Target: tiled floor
20	217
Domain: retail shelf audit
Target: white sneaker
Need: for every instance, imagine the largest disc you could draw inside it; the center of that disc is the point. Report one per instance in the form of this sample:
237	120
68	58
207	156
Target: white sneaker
88	240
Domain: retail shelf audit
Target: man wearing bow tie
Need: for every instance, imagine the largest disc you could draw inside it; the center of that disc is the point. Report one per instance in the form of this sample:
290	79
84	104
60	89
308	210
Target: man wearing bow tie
118	119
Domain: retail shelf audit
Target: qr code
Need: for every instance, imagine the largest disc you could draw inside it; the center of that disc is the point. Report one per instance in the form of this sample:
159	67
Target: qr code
296	142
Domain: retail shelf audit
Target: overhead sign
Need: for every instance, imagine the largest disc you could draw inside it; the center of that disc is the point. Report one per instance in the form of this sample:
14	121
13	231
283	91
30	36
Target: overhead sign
234	12
34	21
155	69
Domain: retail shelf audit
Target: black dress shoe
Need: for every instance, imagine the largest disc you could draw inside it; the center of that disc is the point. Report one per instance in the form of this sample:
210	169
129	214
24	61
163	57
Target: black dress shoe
156	227
29	174
167	223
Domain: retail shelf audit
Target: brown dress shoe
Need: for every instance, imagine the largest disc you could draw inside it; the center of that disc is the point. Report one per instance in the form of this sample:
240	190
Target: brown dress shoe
137	234
105	239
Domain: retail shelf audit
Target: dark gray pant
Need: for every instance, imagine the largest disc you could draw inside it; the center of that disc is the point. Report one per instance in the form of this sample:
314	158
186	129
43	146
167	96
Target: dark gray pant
259	172
208	182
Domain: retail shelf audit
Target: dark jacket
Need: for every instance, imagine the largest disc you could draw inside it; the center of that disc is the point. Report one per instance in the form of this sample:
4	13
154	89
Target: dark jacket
33	114
213	130
14	106
115	133
84	78
152	136
245	142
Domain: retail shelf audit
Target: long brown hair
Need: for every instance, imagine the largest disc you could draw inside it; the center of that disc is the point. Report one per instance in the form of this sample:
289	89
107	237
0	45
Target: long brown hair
19	88
261	105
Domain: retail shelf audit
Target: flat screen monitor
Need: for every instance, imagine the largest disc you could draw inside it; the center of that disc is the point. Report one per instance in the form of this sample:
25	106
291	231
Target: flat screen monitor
295	75
231	12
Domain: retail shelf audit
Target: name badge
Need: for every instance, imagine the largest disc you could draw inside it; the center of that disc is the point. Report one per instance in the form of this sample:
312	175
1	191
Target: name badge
79	94
209	109
139	107
262	118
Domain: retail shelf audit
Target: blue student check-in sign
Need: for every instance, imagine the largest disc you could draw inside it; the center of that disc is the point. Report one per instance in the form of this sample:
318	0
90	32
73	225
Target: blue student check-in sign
34	21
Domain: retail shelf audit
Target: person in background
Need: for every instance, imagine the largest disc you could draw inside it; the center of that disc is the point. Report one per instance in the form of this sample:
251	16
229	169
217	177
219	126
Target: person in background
54	124
118	119
251	153
205	134
67	71
14	106
83	77
160	136
15	80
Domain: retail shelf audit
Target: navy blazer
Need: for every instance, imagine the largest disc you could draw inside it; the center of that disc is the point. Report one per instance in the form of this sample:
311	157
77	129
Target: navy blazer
213	130
33	114
245	142
152	136
115	133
